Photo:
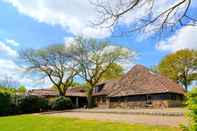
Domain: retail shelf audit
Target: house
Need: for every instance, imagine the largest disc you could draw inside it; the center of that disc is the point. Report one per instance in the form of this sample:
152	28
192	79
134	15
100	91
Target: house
139	88
76	94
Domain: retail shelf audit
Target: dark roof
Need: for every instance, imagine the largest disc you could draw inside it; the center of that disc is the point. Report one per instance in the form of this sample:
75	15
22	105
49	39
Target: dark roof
107	87
43	92
140	80
73	91
76	91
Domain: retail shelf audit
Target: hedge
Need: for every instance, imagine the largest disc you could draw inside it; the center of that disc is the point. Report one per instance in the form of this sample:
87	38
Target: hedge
61	103
5	103
32	104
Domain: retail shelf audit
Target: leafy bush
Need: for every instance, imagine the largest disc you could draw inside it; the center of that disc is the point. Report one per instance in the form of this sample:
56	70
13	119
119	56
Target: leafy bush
61	103
32	104
192	114
5	103
7	90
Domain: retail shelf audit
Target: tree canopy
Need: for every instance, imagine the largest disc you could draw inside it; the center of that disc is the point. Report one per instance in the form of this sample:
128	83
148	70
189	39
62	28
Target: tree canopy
180	66
113	73
94	58
52	62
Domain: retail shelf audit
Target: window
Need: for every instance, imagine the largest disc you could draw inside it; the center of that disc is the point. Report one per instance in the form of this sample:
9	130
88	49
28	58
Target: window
103	99
173	97
148	99
97	89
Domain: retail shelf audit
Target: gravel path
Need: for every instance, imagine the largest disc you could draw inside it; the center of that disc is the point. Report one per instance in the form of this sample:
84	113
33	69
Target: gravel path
128	118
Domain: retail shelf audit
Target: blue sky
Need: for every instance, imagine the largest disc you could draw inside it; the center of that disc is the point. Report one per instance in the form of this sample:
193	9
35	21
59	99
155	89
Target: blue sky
36	24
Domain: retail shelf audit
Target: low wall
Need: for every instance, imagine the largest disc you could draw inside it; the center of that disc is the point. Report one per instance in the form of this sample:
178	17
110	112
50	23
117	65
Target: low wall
143	104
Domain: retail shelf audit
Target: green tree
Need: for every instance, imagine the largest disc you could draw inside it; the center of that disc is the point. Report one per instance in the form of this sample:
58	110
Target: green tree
21	89
94	58
53	62
154	68
180	66
113	73
192	106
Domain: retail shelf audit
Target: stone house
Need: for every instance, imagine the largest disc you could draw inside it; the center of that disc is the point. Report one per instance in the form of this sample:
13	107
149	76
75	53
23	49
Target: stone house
139	88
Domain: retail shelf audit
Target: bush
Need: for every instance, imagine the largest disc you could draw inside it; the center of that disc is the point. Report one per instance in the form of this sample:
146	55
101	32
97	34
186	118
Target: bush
61	103
192	114
32	104
5	103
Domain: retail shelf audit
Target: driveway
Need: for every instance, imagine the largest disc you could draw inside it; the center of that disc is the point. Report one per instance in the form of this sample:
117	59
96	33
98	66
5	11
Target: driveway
127	118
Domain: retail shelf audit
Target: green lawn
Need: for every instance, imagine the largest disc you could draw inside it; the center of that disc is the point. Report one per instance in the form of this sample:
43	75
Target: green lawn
48	123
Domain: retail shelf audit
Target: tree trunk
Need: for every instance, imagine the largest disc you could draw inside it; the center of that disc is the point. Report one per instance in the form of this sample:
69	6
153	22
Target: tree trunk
185	83
186	86
90	99
61	93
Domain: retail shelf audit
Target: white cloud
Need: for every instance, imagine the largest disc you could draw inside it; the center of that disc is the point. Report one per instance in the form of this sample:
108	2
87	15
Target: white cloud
74	16
4	49
68	39
12	42
9	69
7	65
185	38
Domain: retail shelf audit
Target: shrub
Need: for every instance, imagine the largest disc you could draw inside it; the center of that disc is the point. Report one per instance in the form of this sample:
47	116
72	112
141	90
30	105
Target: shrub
61	103
5	103
192	114
32	104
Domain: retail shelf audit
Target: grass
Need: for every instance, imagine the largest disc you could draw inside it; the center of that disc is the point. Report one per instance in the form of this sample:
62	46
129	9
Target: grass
49	123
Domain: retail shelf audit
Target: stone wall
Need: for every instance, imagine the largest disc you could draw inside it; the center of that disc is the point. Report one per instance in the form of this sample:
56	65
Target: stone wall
143	104
102	102
156	101
131	105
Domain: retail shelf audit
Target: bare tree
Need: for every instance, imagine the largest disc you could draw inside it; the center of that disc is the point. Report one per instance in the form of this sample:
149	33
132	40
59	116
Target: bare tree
52	62
150	15
94	58
8	82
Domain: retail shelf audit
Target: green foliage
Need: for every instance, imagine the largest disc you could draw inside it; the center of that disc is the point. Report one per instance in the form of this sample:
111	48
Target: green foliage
5	103
61	103
154	69
31	104
180	66
9	101
114	72
21	89
53	62
192	106
95	58
8	90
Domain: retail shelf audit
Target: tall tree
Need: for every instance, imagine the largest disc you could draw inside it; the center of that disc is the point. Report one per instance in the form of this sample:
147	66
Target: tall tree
94	58
180	66
53	62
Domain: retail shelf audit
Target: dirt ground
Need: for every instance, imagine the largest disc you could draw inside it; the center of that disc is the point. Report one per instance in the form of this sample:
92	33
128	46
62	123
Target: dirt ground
127	118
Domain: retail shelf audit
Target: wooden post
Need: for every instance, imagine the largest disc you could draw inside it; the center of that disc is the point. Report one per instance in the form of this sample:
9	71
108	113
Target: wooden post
77	102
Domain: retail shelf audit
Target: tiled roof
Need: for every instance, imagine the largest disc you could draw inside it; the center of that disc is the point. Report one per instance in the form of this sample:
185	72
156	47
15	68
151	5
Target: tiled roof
107	88
74	91
77	91
43	92
139	80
